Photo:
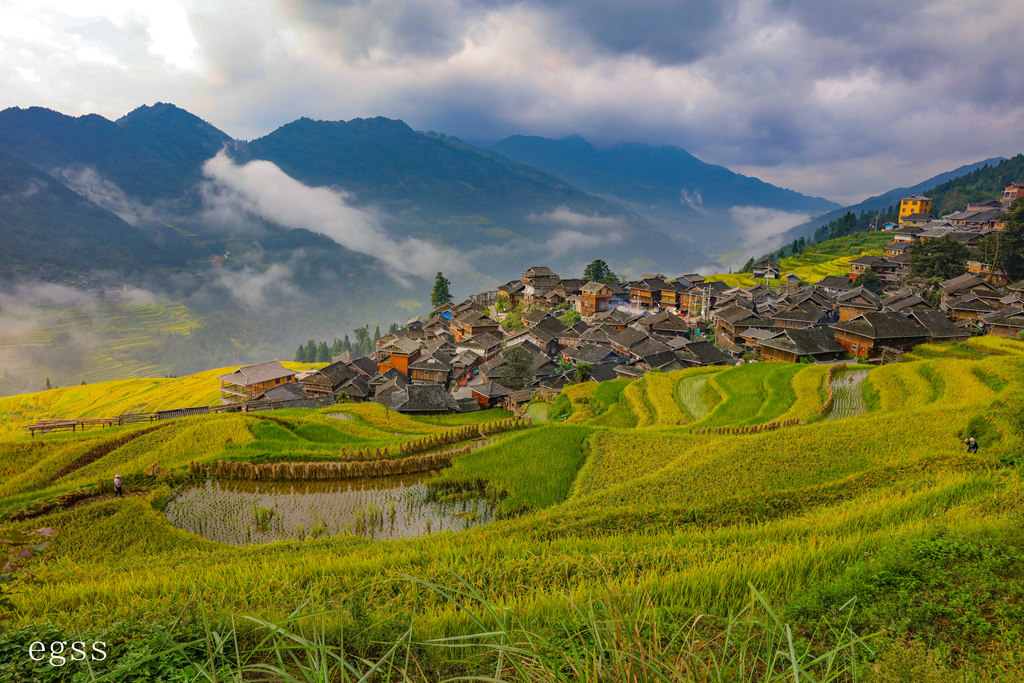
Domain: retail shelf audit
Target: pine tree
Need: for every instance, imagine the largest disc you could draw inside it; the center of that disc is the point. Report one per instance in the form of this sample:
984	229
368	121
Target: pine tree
376	335
393	328
346	344
310	351
300	354
48	385
323	353
441	294
598	271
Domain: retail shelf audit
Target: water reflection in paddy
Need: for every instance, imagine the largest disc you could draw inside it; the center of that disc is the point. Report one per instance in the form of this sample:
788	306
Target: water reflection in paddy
240	512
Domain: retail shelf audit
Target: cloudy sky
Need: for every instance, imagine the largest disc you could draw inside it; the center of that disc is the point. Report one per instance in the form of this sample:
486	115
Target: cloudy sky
835	99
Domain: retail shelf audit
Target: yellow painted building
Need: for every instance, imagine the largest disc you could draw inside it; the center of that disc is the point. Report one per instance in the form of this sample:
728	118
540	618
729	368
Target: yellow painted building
918	203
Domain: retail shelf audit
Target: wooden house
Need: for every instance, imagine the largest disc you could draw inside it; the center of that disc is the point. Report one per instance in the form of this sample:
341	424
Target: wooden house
767	269
969	307
1005	322
326	381
514	291
398	355
435	369
490	394
733	320
539	272
249	381
472	323
545	334
866	335
884	268
968	283
646	293
905	299
855	302
669	296
486	346
816	343
690	280
664	323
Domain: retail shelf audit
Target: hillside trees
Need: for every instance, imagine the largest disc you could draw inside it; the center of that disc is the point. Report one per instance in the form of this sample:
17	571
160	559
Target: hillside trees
943	258
870	281
1004	249
515	373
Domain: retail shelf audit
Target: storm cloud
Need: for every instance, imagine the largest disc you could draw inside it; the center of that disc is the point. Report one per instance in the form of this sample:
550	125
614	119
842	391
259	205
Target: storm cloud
839	100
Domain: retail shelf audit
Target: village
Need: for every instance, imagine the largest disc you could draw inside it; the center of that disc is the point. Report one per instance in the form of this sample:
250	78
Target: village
567	329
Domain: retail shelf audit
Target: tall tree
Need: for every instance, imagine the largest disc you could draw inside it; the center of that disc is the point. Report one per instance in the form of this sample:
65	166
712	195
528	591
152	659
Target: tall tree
441	294
870	281
323	353
598	271
300	354
582	372
310	351
1004	249
362	339
943	258
346	344
515	373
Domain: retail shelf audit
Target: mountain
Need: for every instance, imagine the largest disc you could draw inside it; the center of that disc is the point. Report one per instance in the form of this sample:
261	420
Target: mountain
46	227
885	200
667	185
152	154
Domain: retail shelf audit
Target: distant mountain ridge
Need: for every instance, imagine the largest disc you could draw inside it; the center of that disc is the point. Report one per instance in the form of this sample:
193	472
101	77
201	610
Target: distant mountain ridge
666	184
887	199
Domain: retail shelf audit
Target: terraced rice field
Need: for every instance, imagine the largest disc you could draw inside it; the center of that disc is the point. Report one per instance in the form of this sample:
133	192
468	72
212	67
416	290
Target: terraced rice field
630	521
848	395
94	341
690	393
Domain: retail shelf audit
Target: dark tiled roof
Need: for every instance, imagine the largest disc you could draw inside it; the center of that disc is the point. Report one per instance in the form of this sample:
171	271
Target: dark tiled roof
881	326
434	363
421	398
848	297
959	283
284	392
809	341
258	372
706	353
590	353
936	322
491	390
365	365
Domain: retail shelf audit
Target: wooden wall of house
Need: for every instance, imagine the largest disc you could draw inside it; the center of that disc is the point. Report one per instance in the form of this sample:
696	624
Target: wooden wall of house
772	354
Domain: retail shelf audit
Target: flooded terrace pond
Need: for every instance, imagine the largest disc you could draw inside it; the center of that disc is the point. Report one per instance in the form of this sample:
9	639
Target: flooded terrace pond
239	511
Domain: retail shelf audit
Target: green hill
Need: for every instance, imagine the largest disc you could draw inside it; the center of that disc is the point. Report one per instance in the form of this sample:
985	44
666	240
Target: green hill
654	506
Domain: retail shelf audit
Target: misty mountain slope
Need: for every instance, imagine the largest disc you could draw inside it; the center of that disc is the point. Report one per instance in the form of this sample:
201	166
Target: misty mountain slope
45	225
665	184
886	199
152	154
386	161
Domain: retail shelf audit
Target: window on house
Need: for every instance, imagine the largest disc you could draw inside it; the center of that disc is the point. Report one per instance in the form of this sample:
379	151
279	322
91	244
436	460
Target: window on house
853	347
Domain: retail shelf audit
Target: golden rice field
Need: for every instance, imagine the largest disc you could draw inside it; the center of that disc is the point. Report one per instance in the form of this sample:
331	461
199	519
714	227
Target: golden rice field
829	258
105	337
876	518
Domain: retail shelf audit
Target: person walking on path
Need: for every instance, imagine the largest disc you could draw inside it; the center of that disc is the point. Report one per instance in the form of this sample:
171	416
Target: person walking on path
118	491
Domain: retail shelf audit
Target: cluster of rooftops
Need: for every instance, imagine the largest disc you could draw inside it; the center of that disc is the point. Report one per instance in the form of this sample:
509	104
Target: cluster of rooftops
452	359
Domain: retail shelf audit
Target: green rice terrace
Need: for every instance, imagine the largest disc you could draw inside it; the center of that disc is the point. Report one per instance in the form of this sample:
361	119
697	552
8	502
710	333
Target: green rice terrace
761	522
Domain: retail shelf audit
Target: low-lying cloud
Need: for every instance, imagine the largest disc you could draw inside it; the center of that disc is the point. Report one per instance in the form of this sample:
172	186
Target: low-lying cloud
262	189
763	228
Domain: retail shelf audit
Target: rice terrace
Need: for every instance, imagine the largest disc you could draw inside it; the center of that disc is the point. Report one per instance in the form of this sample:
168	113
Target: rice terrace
768	521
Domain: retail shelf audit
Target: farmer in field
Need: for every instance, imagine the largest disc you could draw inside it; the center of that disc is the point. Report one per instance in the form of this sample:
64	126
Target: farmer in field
972	445
118	491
